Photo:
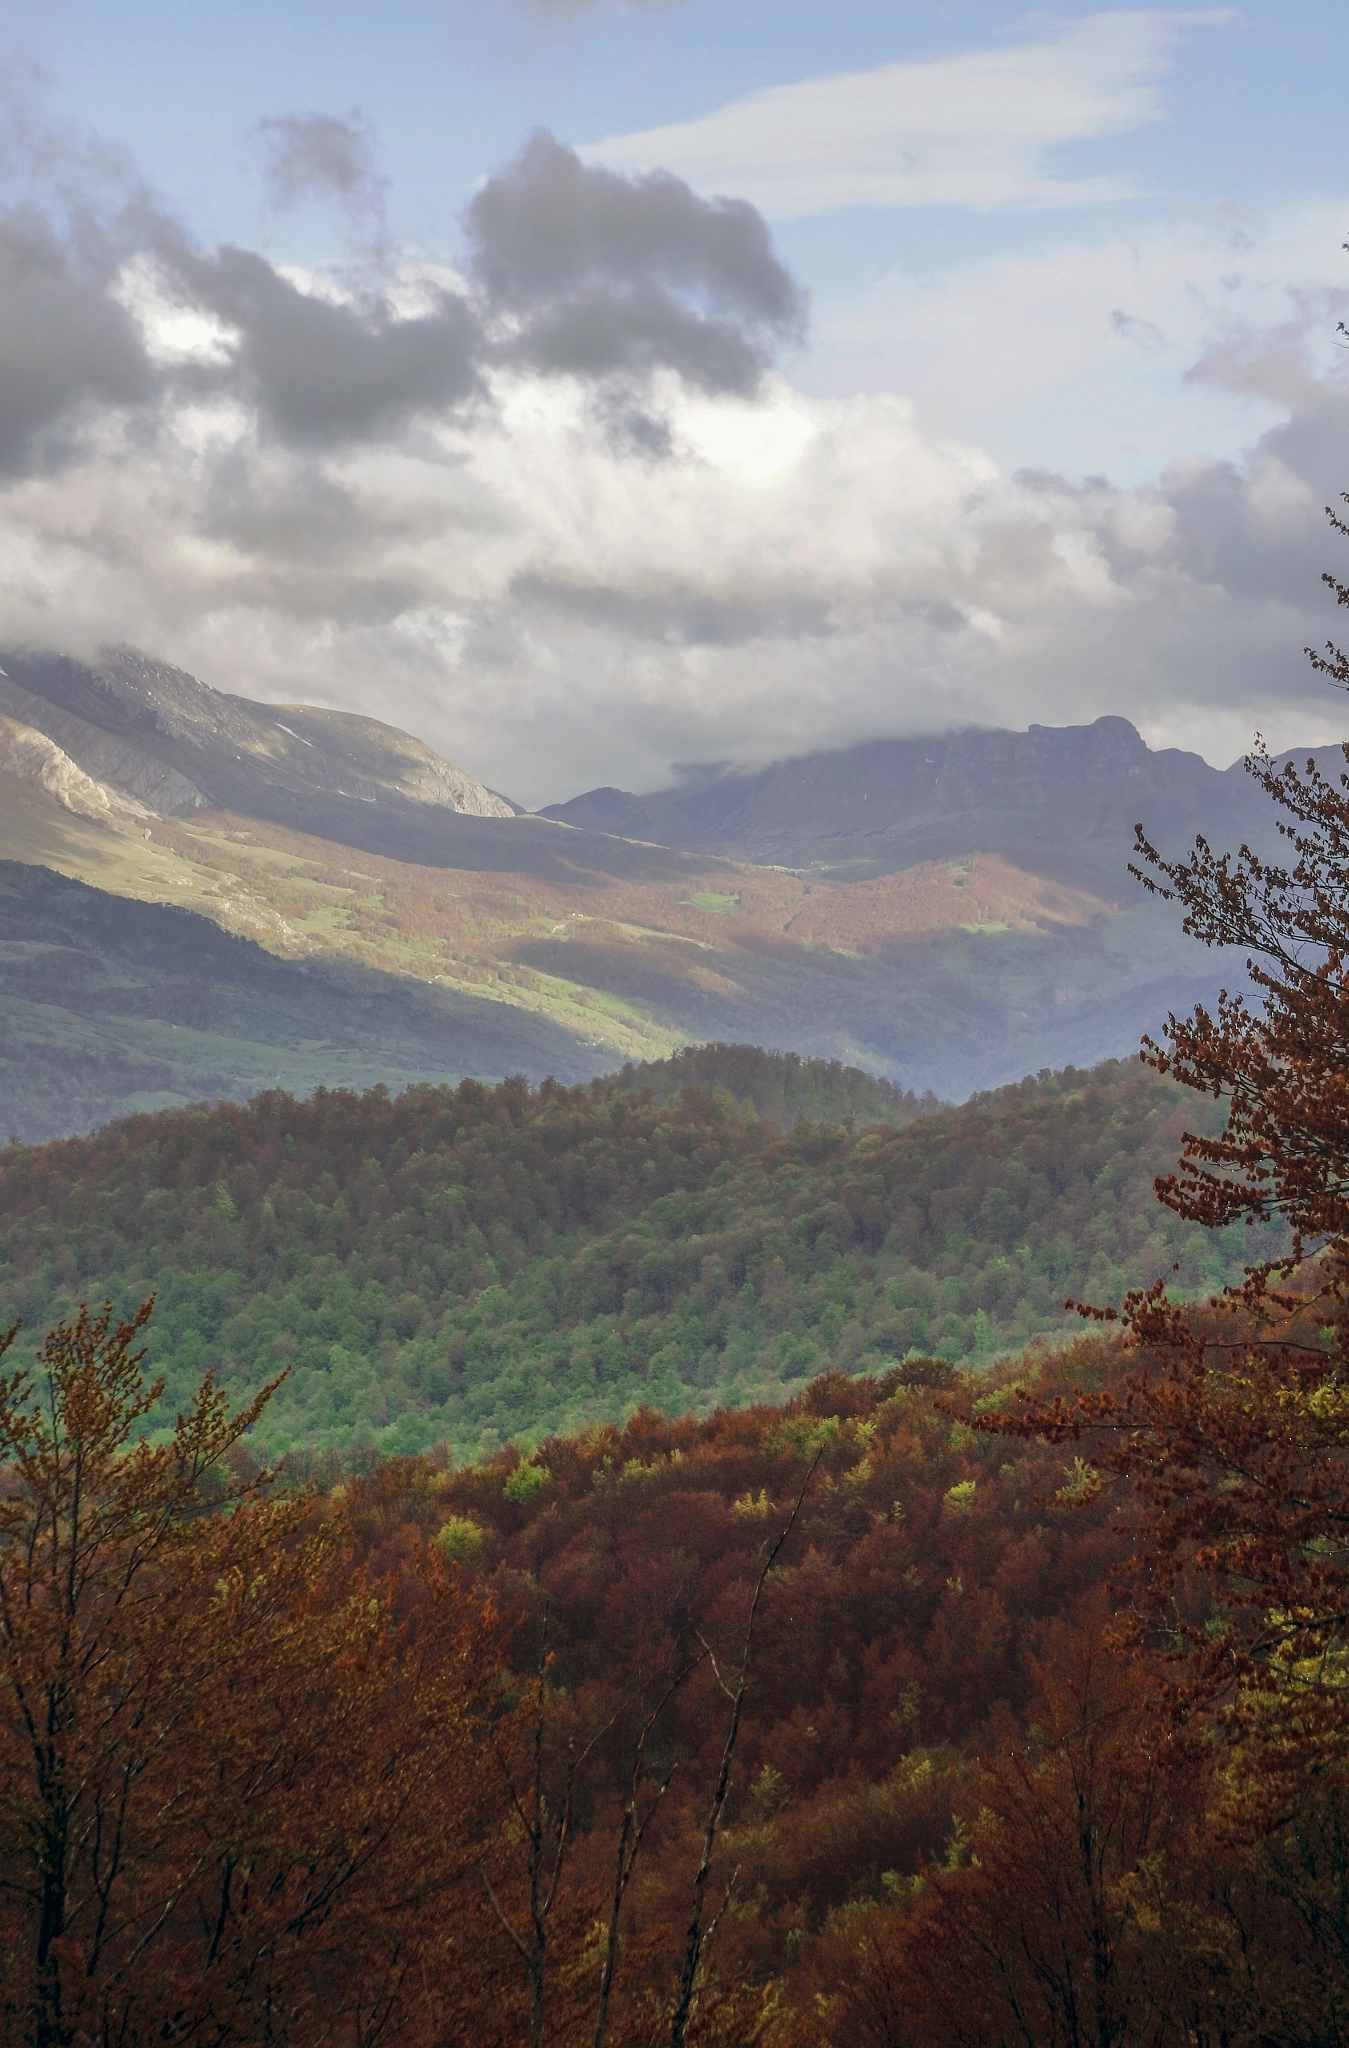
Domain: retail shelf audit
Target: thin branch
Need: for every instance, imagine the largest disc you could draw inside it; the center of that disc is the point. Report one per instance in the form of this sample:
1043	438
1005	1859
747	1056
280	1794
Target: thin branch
631	1830
697	1935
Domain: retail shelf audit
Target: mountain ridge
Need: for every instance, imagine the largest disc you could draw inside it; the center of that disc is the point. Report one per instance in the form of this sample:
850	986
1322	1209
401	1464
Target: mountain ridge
895	802
176	744
962	915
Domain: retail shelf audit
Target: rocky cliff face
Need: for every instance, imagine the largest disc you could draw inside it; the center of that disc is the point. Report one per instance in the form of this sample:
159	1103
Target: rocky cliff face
33	757
893	802
156	736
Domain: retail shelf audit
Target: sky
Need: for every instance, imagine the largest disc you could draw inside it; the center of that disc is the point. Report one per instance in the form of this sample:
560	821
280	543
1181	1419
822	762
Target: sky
605	391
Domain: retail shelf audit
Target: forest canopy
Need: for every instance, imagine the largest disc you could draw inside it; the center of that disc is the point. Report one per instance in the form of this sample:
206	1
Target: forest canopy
475	1264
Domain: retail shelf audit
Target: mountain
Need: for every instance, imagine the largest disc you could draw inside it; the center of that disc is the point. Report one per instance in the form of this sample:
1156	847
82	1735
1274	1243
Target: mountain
890	803
109	1006
947	977
134	739
949	915
473	1264
160	737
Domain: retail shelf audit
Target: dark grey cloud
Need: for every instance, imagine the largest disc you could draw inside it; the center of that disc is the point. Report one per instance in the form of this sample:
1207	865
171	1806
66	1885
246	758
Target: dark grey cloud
323	373
572	271
598	276
1247	527
64	341
326	157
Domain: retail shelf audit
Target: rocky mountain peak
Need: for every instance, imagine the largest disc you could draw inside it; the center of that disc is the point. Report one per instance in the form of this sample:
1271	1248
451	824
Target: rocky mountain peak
174	744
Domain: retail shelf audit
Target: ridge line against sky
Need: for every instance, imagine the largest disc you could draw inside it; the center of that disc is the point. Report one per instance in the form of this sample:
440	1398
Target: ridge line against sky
822	378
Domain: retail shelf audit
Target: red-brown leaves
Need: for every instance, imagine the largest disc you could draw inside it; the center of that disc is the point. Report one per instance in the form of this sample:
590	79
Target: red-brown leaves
234	1794
1284	1070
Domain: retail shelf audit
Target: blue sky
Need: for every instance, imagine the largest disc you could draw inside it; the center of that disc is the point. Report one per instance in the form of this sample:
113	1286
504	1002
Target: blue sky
1252	103
1055	439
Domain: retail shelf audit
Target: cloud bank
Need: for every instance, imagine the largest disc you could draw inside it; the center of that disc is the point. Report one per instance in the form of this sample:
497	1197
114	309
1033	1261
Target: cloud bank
557	506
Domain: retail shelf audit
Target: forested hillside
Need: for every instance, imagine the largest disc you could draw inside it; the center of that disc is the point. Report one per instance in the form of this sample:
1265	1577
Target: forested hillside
959	1805
899	1629
476	1264
779	1085
805	1727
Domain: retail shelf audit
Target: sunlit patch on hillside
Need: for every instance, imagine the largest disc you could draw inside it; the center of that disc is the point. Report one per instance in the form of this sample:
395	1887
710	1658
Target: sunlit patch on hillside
982	893
954	974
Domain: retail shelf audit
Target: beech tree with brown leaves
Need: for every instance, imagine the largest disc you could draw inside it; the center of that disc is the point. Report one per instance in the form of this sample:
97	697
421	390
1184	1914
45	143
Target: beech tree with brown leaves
1040	1929
235	1794
1233	1426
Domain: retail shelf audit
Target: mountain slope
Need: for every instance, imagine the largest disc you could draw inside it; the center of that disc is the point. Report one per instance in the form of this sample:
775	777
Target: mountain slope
474	1264
985	928
109	1006
948	977
134	737
159	735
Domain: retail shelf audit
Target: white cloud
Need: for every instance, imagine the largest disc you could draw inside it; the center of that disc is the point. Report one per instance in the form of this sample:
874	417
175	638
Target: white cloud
172	330
555	613
527	580
977	128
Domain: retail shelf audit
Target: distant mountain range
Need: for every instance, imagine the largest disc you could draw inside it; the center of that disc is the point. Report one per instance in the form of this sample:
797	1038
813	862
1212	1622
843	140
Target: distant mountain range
950	914
890	803
132	736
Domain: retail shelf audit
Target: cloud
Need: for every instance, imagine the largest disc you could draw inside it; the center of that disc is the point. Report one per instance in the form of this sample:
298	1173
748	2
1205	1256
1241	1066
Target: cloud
800	572
1109	353
64	343
976	129
439	502
321	372
322	156
569	10
573	272
597	274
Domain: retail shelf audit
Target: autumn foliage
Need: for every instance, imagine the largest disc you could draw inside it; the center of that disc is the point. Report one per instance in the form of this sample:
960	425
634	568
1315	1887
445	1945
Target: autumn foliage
944	1705
235	1790
962	1809
370	1766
